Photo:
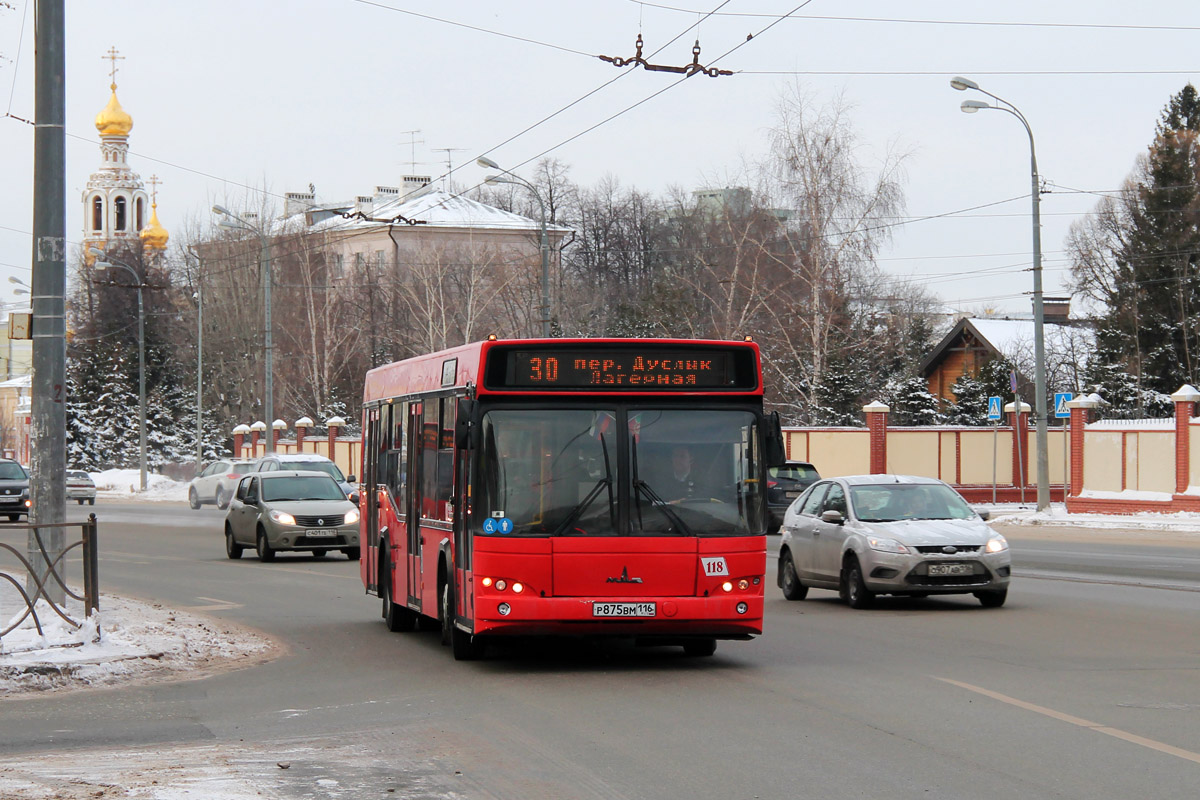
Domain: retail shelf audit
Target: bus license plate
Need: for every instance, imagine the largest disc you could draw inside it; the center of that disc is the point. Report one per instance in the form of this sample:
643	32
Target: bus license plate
318	533
623	609
950	569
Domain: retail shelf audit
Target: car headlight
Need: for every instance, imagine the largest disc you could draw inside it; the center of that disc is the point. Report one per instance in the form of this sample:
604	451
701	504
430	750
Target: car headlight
282	517
351	516
997	544
885	545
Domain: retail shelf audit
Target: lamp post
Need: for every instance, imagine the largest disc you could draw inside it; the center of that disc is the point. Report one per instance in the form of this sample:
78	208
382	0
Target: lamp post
104	262
1039	342
233	221
517	180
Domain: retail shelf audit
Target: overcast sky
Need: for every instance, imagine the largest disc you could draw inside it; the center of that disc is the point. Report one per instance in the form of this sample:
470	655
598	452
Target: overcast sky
230	95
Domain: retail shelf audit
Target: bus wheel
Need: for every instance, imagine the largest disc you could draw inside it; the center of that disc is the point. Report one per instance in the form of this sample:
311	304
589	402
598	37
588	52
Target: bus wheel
464	646
700	647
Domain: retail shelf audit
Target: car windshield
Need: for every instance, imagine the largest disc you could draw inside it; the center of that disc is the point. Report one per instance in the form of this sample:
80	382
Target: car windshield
301	487
328	467
550	471
793	472
902	501
11	471
694	472
242	469
79	476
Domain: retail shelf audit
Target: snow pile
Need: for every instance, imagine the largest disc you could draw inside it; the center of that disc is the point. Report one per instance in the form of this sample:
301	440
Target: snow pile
1057	516
126	483
125	641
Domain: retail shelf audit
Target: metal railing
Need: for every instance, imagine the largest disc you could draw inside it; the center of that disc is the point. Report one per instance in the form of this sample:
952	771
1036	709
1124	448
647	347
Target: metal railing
37	586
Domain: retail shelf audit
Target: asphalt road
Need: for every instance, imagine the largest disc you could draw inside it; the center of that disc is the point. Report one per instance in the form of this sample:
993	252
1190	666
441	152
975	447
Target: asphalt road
1085	685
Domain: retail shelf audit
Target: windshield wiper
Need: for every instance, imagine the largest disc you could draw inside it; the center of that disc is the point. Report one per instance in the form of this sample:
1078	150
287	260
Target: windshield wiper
578	510
663	506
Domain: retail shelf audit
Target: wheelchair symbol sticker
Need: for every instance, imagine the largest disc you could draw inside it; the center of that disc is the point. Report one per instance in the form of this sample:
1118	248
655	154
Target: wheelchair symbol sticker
497	525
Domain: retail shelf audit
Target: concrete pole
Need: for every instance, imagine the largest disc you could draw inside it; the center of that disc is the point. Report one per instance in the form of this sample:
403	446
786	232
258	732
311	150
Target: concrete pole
141	386
48	459
199	373
268	344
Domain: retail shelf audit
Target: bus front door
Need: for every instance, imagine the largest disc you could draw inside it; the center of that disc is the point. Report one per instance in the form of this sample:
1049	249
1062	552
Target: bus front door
413	505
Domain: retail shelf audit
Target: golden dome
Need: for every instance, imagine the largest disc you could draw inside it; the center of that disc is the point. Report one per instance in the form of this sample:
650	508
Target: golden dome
154	235
113	121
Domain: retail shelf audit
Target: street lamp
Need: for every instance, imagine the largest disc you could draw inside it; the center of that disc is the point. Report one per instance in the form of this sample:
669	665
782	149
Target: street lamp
1039	342
517	180
234	222
104	262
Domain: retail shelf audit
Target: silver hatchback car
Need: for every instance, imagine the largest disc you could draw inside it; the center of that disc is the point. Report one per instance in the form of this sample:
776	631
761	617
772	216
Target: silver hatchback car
890	534
291	510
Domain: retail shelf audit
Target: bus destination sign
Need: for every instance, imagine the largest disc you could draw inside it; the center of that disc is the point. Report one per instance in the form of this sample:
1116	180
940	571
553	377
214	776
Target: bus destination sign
624	368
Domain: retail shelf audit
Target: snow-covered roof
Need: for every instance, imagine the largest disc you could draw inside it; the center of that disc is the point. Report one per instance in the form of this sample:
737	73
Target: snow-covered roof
19	382
434	208
1013	338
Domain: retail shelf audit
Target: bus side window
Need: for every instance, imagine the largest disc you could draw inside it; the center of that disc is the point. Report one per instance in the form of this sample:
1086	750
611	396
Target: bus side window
397	455
445	456
428	444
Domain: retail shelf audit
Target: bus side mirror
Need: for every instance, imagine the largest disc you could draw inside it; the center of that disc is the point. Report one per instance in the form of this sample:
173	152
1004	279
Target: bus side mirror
465	429
776	452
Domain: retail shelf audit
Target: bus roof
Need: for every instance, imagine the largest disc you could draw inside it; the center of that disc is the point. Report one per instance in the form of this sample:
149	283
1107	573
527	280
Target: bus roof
461	366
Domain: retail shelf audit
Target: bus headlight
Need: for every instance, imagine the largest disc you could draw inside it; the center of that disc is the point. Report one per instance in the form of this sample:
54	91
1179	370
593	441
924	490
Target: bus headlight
727	586
501	585
518	588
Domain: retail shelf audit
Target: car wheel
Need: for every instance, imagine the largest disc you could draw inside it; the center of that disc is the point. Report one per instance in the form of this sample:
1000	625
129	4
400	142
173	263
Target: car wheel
992	599
265	553
222	499
80	501
700	647
232	548
14	517
193	498
857	593
91	501
789	581
353	553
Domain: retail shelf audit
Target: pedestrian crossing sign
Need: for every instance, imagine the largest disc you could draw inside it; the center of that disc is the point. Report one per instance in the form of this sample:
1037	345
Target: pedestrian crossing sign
1060	404
995	408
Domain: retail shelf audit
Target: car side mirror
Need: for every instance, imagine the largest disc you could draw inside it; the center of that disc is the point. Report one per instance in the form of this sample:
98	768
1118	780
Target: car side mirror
354	498
984	513
351	479
833	517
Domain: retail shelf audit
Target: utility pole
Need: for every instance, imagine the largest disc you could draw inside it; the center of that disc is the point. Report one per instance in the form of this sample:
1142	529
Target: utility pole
48	459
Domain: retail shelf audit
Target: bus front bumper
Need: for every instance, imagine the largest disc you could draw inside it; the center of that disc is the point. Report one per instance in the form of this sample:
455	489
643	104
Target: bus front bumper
734	616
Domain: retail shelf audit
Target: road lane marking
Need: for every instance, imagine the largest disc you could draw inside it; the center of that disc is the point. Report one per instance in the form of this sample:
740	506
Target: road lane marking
216	604
1079	721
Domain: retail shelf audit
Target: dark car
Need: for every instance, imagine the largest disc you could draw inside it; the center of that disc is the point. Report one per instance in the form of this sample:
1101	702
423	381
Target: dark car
784	484
14	490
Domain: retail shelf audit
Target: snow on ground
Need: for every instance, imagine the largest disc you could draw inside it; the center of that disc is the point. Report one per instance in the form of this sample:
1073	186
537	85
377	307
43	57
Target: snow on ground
126	641
126	483
1182	522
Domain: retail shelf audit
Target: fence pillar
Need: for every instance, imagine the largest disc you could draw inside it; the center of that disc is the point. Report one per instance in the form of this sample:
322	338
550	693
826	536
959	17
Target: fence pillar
239	439
877	415
301	425
256	430
334	426
1019	419
1185	402
277	429
1079	420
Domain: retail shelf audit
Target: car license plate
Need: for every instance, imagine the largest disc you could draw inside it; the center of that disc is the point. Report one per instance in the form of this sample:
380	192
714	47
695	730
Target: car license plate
623	609
951	569
791	495
321	533
9	499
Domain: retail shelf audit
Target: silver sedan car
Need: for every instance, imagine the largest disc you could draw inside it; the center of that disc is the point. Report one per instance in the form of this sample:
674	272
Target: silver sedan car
890	534
291	510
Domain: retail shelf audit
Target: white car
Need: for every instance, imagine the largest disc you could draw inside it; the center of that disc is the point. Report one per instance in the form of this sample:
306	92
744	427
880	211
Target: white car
217	482
890	534
80	487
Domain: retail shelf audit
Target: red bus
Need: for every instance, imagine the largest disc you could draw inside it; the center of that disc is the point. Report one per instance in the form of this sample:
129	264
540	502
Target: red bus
580	487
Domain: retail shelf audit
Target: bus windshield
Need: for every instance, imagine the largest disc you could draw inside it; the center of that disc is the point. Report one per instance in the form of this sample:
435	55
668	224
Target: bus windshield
550	471
694	472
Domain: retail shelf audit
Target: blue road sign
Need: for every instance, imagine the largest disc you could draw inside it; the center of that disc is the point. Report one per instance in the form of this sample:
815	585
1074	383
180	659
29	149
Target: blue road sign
995	408
1060	404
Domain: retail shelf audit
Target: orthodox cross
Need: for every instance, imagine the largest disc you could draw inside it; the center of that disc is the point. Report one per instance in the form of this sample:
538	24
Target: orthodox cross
114	58
154	182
